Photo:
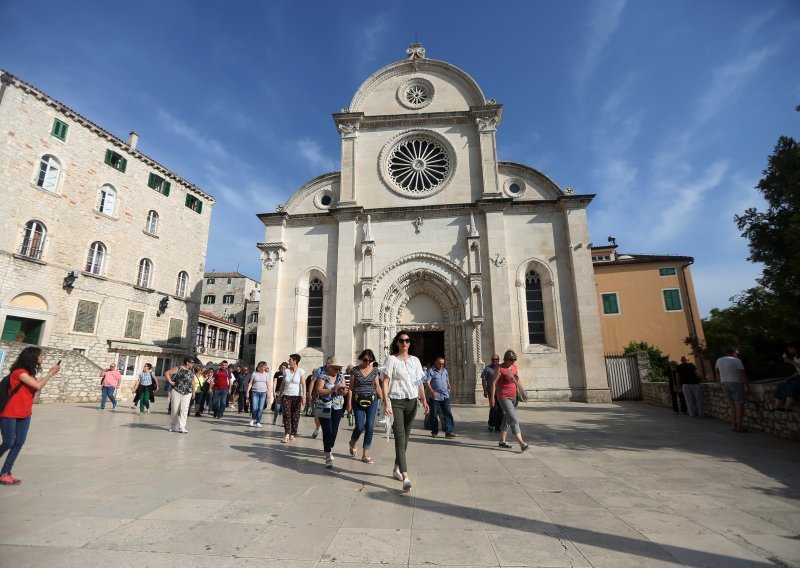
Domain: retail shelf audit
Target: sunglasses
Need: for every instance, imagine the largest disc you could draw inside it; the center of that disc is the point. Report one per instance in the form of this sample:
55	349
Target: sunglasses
367	360
406	340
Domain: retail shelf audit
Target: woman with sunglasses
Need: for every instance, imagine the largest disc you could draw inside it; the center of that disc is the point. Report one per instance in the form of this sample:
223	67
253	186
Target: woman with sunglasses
504	392
365	390
402	385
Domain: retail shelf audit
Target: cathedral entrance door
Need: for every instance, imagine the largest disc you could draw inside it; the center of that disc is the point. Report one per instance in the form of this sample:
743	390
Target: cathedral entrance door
429	345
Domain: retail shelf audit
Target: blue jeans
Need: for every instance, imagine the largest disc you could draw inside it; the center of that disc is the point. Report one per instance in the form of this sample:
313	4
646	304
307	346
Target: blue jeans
444	406
277	410
108	392
219	402
330	427
257	402
15	431
365	422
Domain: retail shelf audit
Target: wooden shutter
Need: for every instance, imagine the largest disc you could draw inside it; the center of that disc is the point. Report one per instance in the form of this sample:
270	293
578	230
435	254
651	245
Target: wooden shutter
133	327
109	157
175	330
165	187
123	163
151	180
85	316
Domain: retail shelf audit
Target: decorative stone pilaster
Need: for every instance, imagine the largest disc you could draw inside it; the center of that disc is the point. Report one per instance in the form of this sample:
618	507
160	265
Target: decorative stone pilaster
348	124
487	119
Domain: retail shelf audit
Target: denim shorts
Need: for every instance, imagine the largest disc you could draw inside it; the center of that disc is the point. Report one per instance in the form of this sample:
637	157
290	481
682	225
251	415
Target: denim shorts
734	392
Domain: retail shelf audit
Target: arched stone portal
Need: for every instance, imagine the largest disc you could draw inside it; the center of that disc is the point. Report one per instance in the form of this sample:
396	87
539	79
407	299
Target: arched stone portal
413	298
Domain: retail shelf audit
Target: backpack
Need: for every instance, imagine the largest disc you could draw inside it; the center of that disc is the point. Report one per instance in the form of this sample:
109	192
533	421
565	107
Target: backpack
5	391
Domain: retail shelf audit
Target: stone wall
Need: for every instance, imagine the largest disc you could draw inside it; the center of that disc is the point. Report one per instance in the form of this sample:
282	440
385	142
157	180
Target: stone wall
78	380
758	414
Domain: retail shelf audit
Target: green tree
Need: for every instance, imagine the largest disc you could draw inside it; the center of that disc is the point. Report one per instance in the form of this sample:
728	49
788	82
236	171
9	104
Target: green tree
774	236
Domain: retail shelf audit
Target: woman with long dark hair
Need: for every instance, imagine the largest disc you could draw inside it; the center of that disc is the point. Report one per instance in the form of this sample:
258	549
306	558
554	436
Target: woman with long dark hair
15	420
277	389
294	396
365	390
402	389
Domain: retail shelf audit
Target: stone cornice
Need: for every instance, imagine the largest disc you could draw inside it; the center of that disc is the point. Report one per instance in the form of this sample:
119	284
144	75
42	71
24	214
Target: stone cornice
8	79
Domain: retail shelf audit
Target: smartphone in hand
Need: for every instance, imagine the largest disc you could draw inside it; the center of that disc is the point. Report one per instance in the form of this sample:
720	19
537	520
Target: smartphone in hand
59	363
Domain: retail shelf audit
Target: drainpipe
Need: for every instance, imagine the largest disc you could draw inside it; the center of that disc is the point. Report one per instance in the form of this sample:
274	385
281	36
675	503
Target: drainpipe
691	311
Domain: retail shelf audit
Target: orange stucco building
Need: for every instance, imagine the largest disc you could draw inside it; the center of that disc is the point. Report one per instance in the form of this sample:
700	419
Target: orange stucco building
648	298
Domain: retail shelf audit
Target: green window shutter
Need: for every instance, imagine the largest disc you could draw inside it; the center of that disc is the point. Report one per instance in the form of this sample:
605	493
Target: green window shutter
175	329
59	129
672	300
133	327
666	271
85	316
123	163
109	157
165	187
610	304
188	201
199	206
151	180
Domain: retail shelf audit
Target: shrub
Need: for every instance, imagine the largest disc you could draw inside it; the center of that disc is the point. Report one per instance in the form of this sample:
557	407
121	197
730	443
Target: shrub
658	361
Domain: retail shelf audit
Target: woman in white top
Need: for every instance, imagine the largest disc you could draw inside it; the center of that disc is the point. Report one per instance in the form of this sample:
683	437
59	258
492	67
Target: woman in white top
259	392
402	384
294	396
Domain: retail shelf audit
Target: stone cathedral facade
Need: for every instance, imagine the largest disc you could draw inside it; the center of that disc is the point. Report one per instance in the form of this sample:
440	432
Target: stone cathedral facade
424	229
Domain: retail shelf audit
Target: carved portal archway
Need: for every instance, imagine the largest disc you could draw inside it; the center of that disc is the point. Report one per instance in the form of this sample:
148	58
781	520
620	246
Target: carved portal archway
392	318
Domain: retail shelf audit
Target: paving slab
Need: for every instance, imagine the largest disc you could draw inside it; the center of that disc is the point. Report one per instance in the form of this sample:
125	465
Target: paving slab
603	485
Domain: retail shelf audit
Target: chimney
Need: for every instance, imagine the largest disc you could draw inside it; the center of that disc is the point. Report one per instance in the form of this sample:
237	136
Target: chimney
133	140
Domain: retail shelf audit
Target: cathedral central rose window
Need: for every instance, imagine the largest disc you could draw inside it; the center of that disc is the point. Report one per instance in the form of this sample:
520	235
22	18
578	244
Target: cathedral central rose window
418	165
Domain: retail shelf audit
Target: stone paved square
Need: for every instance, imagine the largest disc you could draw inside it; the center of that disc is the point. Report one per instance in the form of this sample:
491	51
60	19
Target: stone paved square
603	485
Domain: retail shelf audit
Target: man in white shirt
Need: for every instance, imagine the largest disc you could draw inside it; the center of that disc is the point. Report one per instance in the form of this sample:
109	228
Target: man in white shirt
733	379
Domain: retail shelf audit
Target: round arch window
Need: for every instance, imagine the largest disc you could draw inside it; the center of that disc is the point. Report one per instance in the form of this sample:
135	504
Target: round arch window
415	94
417	164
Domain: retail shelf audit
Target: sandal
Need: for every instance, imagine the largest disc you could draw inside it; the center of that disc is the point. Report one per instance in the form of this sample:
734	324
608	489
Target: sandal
285	440
353	451
366	460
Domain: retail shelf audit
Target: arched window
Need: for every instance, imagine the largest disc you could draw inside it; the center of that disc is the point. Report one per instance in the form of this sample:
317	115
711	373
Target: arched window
49	170
314	331
96	258
534	304
182	284
145	271
33	239
152	222
108	200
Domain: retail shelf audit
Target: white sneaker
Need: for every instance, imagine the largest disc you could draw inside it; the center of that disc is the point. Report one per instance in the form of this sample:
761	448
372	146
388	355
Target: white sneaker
252	422
258	425
406	485
397	475
183	431
329	463
315	434
172	430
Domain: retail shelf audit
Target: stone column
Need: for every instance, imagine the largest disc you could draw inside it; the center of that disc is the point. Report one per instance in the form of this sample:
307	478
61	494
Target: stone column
585	299
272	254
348	124
344	286
487	118
498	278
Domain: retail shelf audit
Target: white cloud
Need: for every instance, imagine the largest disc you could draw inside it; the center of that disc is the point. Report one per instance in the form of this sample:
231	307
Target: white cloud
368	39
604	21
311	151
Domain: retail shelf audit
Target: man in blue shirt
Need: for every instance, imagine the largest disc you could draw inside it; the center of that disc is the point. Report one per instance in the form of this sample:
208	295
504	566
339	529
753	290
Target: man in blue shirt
437	385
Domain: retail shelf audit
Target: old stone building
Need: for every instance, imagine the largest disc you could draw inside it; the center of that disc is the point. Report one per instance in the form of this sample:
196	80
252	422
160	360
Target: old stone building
85	262
424	229
227	295
218	339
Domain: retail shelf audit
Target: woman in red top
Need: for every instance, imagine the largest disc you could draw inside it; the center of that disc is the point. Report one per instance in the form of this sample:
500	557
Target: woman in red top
504	391
16	416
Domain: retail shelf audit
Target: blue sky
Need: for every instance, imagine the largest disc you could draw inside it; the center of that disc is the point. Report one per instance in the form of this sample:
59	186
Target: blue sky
666	110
